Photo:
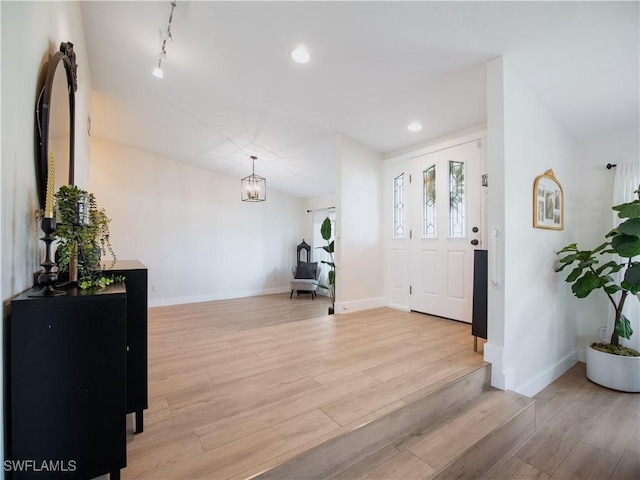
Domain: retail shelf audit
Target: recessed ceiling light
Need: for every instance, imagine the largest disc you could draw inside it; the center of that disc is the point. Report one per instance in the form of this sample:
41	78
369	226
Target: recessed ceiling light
414	127
300	54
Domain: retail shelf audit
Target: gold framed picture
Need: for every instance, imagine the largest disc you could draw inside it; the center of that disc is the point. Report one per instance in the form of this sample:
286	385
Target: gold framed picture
548	202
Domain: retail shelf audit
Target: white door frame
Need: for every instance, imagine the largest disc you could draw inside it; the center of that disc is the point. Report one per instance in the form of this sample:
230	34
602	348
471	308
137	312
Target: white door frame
396	250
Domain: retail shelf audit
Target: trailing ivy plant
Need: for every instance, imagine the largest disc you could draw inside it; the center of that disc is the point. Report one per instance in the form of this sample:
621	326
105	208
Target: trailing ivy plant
325	231
588	275
88	242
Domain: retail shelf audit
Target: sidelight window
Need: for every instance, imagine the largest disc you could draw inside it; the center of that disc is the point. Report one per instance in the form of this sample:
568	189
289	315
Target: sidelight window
429	202
456	200
399	211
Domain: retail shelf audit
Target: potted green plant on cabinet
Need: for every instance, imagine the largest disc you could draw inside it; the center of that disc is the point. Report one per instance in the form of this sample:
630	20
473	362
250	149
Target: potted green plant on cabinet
611	364
325	231
82	230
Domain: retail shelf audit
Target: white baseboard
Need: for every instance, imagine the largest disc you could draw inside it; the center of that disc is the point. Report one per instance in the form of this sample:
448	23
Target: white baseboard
164	302
403	308
582	355
366	304
546	377
493	355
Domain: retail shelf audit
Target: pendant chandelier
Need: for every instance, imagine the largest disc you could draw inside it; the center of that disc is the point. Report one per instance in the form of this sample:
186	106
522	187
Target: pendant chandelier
253	188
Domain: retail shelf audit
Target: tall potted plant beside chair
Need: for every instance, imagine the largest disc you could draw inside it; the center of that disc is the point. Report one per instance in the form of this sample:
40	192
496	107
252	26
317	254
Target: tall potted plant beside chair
325	231
611	364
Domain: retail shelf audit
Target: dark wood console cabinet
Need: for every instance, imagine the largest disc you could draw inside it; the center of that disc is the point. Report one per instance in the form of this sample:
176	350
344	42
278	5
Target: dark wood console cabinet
135	274
480	282
67	379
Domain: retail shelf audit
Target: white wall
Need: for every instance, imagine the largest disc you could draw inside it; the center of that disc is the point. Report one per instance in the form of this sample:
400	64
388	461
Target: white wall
1	222
189	227
38	28
595	190
359	246
532	327
31	31
494	348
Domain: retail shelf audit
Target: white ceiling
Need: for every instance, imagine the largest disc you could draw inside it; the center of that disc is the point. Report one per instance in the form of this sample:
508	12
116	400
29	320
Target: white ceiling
230	89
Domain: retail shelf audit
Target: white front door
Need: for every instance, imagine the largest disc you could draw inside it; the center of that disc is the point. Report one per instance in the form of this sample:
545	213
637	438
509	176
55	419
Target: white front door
445	230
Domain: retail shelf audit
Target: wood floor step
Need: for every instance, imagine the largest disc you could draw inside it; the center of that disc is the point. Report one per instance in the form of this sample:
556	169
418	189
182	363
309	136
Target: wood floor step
359	440
494	446
467	442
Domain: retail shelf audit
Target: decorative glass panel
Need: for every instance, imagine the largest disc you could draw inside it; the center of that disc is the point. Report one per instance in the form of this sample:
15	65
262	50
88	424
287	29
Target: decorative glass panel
456	200
398	206
429	202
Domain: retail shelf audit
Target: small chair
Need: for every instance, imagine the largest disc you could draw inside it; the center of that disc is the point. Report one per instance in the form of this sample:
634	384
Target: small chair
305	273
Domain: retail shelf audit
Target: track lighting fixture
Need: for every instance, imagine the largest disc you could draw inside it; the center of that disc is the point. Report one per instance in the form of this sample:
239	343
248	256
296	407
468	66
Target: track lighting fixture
165	34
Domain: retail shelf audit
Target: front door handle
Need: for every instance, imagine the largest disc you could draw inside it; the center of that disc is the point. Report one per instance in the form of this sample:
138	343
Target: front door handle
474	242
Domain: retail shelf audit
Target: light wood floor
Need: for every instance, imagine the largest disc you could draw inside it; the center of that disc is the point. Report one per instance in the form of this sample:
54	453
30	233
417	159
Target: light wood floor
235	384
583	431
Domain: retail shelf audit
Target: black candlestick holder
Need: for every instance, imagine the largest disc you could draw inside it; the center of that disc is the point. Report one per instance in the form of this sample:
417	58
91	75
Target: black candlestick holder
48	278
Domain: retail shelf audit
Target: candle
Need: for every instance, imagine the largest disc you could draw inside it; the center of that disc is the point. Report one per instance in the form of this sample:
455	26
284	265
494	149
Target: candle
51	175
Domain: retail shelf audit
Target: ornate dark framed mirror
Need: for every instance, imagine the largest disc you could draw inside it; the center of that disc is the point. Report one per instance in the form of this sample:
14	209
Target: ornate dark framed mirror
55	121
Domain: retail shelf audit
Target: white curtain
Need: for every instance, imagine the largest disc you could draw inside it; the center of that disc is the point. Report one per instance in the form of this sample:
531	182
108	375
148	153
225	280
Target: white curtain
627	181
318	253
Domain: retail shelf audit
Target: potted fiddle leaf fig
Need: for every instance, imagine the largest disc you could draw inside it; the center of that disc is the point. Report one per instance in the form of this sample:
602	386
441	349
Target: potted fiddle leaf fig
82	231
611	364
325	231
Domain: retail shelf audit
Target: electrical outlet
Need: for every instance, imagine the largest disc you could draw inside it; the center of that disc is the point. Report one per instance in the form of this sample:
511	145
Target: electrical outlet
602	333
153	287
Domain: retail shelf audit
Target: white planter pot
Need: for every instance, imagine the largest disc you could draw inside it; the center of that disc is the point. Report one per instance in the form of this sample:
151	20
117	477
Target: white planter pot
613	371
